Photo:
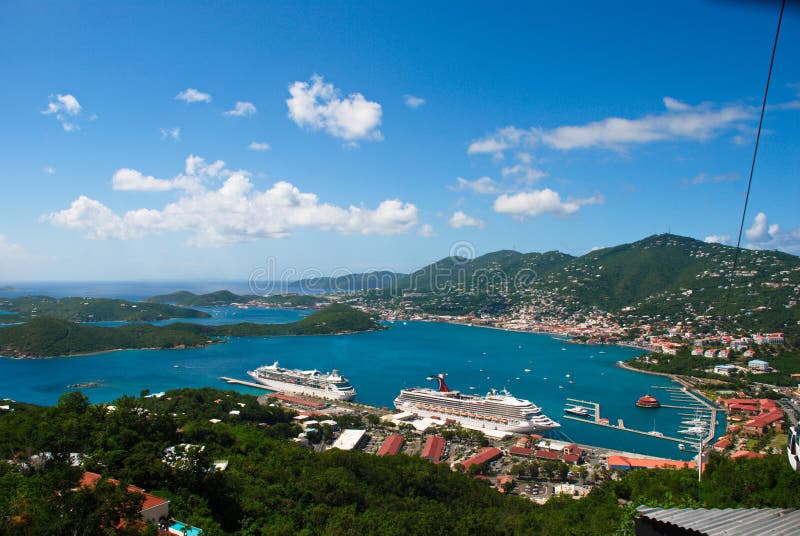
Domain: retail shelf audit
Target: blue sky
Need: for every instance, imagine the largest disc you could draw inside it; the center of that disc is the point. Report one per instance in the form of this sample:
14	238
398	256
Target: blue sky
196	140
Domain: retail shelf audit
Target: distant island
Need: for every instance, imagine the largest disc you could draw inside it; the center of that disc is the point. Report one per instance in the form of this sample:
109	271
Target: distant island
91	310
53	337
225	297
8	288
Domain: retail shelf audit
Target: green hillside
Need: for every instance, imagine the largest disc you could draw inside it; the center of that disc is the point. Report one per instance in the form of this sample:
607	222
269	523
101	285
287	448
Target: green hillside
91	310
47	337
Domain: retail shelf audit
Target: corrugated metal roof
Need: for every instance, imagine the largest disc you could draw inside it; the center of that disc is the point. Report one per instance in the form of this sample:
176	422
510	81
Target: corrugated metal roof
728	521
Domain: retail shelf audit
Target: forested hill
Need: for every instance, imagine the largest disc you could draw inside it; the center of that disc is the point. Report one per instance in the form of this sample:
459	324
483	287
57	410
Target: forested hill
91	310
226	297
49	337
659	275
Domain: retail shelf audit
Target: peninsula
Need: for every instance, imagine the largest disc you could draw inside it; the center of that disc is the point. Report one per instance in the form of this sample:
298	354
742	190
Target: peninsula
52	337
90	310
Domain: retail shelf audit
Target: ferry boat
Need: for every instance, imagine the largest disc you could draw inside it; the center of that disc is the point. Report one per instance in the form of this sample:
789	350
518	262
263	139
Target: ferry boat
648	401
497	410
331	385
793	448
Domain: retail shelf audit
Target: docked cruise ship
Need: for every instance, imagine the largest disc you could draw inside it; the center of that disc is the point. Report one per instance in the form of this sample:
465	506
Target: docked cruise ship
330	385
498	410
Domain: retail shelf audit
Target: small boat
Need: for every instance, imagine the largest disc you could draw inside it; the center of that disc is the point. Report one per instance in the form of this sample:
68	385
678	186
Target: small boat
563	349
655	433
560	386
577	410
472	387
517	378
526	370
681	446
601	352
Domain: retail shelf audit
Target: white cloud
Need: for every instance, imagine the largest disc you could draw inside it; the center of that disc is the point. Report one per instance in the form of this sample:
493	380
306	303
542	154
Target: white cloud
50	170
705	178
412	101
171	133
63	104
192	95
64	107
259	146
459	219
483	185
523	173
717	239
679	121
540	202
196	173
762	235
318	106
233	212
242	109
426	231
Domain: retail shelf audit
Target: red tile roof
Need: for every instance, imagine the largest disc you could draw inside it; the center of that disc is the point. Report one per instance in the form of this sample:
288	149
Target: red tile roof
547	454
391	445
434	448
89	480
485	455
746	454
624	462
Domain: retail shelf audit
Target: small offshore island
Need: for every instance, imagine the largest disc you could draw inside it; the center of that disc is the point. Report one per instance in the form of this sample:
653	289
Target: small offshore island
53	337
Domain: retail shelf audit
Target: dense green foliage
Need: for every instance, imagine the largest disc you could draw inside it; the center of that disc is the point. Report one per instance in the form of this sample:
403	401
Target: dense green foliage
274	486
225	297
92	310
46	337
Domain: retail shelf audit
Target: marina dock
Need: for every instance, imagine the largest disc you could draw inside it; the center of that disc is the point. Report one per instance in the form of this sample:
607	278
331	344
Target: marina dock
679	398
244	382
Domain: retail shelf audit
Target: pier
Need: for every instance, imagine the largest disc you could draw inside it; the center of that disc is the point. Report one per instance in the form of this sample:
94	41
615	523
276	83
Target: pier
244	382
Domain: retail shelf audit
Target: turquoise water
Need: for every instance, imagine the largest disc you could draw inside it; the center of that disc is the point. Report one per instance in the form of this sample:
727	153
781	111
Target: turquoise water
379	364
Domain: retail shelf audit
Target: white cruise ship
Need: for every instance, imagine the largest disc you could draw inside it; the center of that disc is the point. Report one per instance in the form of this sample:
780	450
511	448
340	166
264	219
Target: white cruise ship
330	385
496	411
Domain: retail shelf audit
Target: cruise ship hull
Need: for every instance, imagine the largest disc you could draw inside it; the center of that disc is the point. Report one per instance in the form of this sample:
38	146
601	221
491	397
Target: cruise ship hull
298	389
472	413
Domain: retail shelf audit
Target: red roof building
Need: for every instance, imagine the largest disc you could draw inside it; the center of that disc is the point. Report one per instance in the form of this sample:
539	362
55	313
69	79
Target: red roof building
391	446
433	449
501	482
722	444
746	454
487	454
648	401
624	462
520	451
153	509
547	455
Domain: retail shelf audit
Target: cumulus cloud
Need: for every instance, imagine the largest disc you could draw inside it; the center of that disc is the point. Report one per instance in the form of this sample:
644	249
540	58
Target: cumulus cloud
190	95
173	133
679	121
412	101
318	105
66	109
763	235
242	109
483	185
259	146
196	172
717	239
541	202
459	219
50	170
235	211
